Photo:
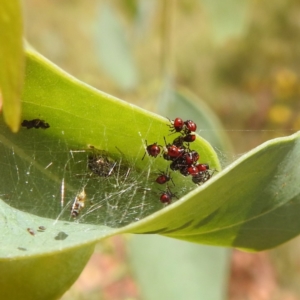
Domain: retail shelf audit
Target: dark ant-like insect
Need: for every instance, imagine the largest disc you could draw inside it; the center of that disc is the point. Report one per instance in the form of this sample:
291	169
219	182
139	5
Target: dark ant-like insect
166	196
35	123
152	150
176	125
164	177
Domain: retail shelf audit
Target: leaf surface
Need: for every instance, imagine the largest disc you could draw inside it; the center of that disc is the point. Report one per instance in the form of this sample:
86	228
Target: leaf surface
11	62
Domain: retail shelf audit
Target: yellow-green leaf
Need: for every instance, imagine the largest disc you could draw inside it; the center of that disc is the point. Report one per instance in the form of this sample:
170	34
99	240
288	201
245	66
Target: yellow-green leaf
11	62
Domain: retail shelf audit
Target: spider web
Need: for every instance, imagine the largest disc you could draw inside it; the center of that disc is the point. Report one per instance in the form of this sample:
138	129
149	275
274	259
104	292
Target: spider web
43	175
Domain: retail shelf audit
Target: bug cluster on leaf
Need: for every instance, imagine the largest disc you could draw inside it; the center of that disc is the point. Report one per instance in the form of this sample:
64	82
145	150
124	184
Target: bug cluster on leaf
182	159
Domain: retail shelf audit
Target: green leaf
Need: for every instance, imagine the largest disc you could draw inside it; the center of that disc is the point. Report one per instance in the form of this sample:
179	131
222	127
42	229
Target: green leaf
44	170
11	62
251	205
27	263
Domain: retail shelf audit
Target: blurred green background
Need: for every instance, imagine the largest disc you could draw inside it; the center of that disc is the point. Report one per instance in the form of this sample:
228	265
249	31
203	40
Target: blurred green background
240	57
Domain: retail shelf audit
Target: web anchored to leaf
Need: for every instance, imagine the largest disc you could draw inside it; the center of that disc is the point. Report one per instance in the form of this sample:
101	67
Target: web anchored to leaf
48	178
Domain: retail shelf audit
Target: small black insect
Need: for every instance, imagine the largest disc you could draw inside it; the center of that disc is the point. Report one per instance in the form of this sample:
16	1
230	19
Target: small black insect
35	123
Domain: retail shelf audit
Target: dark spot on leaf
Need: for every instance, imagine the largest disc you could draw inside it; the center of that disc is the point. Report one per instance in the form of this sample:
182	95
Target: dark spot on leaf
61	236
22	249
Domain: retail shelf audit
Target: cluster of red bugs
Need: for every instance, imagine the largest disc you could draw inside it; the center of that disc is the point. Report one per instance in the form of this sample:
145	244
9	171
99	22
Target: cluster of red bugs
183	159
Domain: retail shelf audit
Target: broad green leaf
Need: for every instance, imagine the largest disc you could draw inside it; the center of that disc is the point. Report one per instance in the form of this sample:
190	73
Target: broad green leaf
44	170
11	62
252	204
166	263
113	49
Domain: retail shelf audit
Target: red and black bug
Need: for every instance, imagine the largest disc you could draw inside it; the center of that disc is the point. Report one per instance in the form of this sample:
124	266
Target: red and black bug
152	150
176	125
204	174
202	177
191	157
202	167
166	196
172	152
190	126
193	170
164	177
189	138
